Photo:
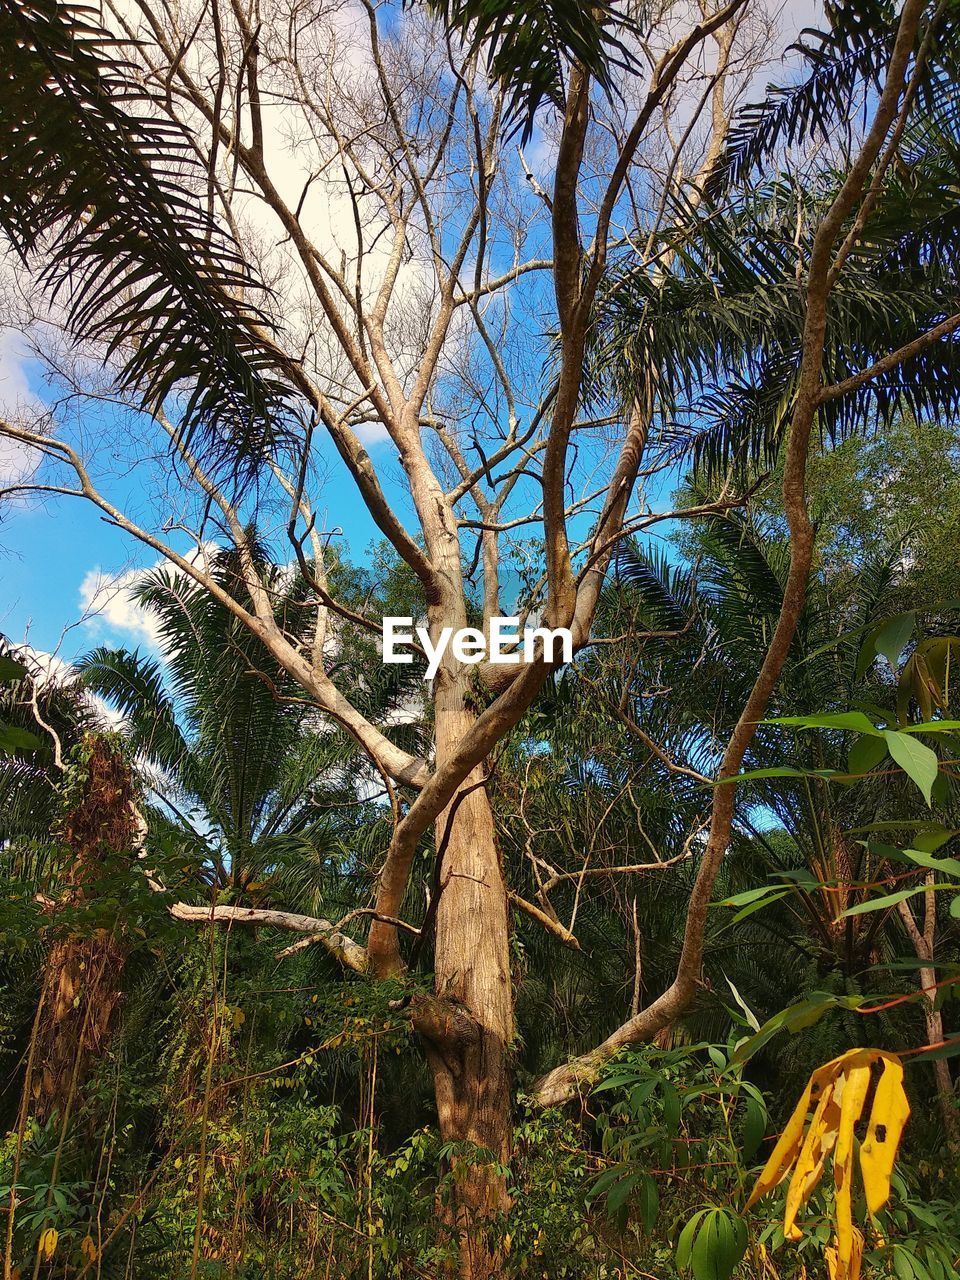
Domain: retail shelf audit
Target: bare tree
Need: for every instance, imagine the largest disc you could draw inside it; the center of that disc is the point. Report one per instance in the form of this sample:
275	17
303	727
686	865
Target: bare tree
433	286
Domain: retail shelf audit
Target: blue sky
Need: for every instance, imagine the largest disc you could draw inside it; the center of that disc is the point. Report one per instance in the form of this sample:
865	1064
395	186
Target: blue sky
54	550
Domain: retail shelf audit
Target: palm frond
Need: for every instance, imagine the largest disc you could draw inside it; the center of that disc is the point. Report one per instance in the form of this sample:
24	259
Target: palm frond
134	686
529	45
843	65
722	326
101	180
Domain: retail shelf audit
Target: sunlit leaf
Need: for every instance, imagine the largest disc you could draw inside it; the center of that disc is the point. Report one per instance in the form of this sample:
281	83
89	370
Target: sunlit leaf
917	760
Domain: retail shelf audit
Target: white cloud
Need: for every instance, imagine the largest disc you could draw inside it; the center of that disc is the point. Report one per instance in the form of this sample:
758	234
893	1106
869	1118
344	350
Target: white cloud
48	669
15	394
44	667
371	433
108	604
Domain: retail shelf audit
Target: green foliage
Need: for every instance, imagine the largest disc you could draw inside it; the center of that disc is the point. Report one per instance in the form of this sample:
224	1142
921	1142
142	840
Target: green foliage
529	46
712	1244
842	63
99	173
251	1113
686	1120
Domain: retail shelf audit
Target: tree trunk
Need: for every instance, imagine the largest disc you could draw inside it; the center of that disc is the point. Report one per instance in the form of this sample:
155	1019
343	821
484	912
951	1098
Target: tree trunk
923	945
81	974
467	1030
941	1068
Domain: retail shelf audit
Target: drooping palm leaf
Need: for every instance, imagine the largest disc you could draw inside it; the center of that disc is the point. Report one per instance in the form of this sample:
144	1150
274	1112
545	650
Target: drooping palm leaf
722	326
100	180
133	685
843	63
529	44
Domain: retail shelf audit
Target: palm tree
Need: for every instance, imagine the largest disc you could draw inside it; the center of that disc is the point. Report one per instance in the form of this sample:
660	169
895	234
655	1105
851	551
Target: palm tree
626	745
242	771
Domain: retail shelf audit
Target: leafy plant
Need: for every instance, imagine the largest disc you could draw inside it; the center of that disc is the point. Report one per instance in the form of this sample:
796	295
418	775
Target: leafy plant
840	1089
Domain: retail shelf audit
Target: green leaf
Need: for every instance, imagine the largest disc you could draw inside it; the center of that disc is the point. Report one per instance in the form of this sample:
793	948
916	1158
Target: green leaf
606	1180
14	739
881	904
940	791
685	1242
720	1245
754	1128
618	1194
748	1013
855	721
891	640
617	1081
801	876
748	895
866	753
648	1201
945	866
783	771
671	1108
760	903
794	1018
898	824
903	1264
930	841
11	670
640	1096
917	760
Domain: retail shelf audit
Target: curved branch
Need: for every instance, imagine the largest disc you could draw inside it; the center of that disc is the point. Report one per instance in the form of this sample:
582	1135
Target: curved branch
568	1079
343	949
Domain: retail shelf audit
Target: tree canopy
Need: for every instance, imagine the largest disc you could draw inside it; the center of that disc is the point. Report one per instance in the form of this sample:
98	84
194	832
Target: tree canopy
341	314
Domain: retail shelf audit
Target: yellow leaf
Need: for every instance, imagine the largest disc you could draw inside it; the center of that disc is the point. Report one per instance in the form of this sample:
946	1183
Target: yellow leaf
840	1089
887	1118
507	1244
88	1249
832	1264
835	1269
47	1244
785	1152
856	1256
856	1083
823	1128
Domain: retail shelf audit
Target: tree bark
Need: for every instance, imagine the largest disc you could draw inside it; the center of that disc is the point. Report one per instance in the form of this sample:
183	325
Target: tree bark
923	945
81	973
468	1030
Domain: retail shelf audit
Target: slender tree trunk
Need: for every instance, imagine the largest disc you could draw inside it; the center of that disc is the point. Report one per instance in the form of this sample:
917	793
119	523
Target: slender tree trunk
468	1026
923	945
467	1029
941	1068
